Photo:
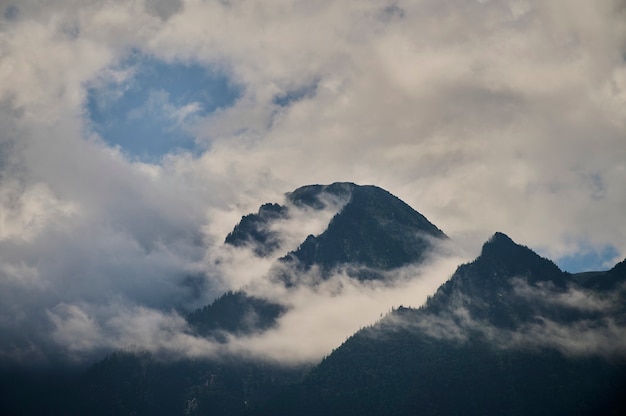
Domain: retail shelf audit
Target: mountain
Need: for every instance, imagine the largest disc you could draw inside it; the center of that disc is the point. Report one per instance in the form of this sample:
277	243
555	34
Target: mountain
508	333
254	230
235	313
486	286
126	383
483	344
604	281
372	231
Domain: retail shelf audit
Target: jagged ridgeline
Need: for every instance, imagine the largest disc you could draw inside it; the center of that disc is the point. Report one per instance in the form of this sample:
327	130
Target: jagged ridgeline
508	333
372	229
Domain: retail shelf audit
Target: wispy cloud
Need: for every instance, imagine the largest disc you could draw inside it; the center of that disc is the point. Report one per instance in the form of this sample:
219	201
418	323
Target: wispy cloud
319	316
600	330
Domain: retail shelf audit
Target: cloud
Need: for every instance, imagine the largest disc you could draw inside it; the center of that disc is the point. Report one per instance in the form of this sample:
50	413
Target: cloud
482	115
137	328
576	298
237	267
597	329
323	314
318	317
25	212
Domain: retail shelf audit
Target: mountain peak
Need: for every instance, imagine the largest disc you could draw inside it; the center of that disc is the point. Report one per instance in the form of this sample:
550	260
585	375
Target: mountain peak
374	229
487	285
500	238
501	253
498	244
253	230
316	196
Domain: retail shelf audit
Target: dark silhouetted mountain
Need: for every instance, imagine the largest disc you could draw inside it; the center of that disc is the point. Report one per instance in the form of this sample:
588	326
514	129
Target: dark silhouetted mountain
254	230
236	313
486	287
501	336
374	229
139	384
470	350
604	280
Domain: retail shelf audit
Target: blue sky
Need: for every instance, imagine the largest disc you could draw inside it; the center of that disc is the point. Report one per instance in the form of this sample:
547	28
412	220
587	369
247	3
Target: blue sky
151	112
591	259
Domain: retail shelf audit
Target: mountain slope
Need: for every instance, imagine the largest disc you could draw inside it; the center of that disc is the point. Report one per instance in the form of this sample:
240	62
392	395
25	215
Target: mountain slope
509	333
254	230
140	384
372	229
606	280
235	313
481	345
486	287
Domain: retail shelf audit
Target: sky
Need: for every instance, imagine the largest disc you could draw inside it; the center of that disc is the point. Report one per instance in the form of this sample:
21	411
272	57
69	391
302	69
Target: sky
134	135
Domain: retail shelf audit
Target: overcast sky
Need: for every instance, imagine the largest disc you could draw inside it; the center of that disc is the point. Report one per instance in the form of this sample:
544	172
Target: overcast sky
133	135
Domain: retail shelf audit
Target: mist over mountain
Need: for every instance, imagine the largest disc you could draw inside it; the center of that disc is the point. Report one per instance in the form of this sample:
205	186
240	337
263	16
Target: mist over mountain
244	329
507	333
150	260
372	229
253	229
371	234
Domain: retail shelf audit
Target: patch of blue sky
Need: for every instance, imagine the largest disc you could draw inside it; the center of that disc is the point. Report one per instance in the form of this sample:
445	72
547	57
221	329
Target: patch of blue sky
147	106
589	259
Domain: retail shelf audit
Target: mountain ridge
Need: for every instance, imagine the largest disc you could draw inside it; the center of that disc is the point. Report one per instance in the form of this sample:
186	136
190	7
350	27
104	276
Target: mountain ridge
454	356
491	340
374	229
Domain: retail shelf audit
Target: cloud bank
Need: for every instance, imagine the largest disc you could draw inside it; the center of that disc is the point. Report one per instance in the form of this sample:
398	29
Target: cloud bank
482	115
320	315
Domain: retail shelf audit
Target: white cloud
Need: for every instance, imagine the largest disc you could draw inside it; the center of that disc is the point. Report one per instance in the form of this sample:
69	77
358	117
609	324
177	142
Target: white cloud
597	330
319	318
483	116
322	315
134	328
26	212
